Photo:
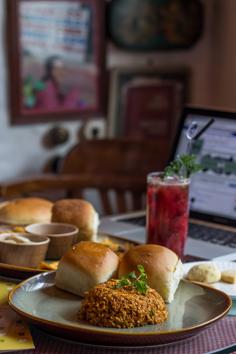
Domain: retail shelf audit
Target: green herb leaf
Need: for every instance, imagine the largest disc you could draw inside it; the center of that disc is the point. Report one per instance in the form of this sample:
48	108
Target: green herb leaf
132	275
122	282
183	166
141	286
141	269
139	283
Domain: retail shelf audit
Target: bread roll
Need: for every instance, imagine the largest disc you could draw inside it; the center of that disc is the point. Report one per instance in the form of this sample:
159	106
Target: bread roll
80	213
24	211
84	266
163	267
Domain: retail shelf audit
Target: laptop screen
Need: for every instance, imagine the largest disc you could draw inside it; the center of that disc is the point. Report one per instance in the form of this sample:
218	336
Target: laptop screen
212	190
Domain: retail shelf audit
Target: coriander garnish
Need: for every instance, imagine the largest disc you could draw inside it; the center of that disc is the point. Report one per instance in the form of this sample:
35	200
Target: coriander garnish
138	282
182	166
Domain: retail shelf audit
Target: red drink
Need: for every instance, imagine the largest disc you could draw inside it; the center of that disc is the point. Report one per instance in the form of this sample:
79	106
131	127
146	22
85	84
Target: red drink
167	211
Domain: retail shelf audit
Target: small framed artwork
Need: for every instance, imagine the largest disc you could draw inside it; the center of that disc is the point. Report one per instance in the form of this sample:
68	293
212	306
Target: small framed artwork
56	52
149	25
146	103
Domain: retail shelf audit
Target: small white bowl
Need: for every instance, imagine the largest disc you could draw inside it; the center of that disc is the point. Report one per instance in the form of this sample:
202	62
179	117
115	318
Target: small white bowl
23	254
62	237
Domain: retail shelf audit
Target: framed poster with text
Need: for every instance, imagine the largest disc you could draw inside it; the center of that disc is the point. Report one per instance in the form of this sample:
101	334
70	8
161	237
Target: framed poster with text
56	59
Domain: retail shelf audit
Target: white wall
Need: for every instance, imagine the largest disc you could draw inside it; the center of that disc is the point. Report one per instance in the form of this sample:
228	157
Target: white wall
21	152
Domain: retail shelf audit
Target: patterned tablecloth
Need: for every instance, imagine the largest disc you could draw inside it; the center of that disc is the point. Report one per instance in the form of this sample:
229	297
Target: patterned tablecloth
219	335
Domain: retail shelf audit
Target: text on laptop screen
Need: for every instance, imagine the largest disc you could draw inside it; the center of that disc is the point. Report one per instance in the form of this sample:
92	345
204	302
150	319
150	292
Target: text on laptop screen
213	190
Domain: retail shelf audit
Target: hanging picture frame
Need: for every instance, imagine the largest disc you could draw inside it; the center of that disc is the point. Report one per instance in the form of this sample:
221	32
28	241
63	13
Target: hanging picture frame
56	52
146	102
160	25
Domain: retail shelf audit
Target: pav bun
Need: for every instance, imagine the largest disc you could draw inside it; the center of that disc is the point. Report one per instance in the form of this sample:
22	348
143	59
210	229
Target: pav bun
85	265
80	213
163	267
24	211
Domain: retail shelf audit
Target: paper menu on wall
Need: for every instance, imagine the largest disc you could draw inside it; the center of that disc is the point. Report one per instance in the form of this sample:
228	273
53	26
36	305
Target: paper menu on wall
14	332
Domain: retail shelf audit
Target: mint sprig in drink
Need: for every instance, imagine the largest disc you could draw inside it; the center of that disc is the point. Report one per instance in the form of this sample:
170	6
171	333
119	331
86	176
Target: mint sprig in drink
168	204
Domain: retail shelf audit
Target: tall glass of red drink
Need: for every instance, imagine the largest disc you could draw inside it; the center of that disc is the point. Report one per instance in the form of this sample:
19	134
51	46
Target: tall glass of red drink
167	211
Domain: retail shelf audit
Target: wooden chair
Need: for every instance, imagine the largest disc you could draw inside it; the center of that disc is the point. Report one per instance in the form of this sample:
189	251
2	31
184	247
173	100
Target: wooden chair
116	165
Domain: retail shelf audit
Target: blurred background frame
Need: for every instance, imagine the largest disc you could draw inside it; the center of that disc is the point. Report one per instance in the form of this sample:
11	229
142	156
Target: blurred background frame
56	53
146	103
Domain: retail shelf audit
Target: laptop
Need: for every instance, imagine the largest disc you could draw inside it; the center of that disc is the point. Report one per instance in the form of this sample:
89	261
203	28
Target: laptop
212	226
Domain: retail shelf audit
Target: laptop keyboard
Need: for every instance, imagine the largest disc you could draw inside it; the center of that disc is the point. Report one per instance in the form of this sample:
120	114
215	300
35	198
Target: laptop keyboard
199	232
213	235
139	220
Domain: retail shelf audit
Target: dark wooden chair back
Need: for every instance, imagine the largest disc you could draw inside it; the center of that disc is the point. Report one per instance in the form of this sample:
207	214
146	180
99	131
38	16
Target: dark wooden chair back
117	169
117	159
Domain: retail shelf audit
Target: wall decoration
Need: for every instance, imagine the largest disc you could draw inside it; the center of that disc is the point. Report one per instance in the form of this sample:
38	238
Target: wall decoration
155	24
56	54
146	102
55	136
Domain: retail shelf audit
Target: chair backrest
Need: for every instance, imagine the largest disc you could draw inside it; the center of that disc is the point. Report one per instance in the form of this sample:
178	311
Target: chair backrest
116	169
124	163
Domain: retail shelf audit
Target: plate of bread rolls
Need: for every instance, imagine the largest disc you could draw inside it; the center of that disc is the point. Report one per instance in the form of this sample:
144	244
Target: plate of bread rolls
137	300
24	216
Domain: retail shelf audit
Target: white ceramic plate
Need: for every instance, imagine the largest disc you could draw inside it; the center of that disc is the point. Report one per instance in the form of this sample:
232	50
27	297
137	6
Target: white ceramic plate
229	289
194	308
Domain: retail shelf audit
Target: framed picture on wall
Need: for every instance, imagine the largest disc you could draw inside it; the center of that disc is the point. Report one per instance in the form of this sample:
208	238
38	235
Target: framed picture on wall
146	103
56	52
149	25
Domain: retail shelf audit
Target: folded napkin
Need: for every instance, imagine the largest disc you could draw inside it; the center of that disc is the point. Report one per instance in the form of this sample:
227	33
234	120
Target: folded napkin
14	332
219	335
